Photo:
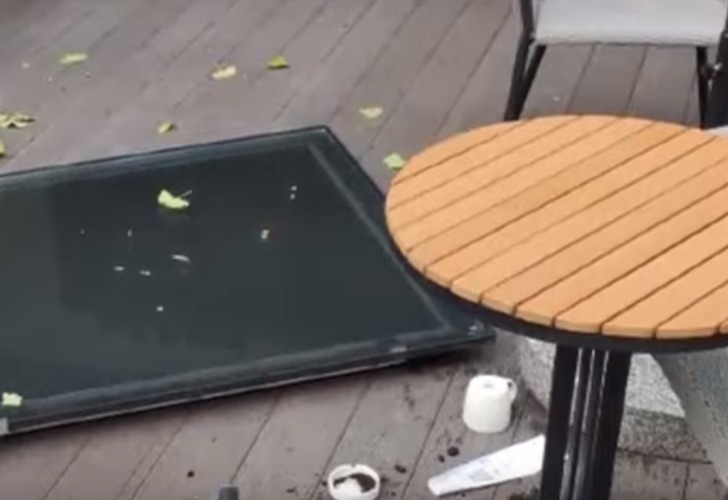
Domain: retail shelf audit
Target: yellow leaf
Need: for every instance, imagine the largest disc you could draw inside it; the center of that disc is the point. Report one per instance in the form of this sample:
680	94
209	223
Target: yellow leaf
2	149
73	58
224	72
11	400
394	161
165	127
278	62
15	120
371	113
172	202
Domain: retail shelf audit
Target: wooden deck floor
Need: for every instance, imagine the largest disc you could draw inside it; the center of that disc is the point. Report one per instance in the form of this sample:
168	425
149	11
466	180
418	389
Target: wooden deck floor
435	67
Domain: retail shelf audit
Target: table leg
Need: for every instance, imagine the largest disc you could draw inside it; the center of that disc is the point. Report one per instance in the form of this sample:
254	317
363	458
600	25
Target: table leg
610	420
562	389
595	409
594	398
575	445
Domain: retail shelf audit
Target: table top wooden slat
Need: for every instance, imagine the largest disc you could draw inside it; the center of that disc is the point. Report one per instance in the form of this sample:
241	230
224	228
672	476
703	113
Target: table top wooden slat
593	224
658	212
546	203
558	237
703	318
483	155
533	143
456	145
516	182
602	190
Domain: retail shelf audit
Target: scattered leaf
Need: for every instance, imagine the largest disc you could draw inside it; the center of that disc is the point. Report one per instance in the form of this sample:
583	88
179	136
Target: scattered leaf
2	148
278	62
172	202
145	272
160	309
73	58
165	127
224	72
11	400
371	113
264	234
119	269
394	161
15	120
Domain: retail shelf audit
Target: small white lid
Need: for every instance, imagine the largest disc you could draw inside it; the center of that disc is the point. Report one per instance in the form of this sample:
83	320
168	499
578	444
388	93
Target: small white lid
343	484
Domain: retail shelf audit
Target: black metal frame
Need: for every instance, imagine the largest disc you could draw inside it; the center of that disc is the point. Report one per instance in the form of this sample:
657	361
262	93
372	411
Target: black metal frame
457	330
584	419
717	112
529	55
528	59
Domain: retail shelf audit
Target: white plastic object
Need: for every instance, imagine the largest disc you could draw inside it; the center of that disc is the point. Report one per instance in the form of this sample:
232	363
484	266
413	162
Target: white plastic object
350	488
488	402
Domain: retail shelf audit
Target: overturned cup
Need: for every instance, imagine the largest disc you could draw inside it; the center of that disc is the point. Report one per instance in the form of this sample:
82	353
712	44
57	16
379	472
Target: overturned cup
488	402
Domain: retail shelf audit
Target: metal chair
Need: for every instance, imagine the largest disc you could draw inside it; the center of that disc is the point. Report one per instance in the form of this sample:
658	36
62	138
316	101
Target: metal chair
717	112
692	23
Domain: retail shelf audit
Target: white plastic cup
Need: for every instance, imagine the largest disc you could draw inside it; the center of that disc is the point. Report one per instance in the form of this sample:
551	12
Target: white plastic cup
488	402
343	492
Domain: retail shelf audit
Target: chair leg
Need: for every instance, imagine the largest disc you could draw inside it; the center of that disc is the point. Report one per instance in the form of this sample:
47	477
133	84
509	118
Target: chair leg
524	72
702	69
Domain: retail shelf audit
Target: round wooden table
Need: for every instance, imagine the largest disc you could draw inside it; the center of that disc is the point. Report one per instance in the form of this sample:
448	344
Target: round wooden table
605	235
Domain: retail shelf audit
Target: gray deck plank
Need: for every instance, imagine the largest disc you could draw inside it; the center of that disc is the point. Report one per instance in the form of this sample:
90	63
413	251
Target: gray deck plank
557	80
39	31
394	72
46	78
158	101
484	97
31	465
391	440
107	56
116	85
437	87
109	460
264	93
652	98
609	79
320	97
208	449
449	431
290	456
211	102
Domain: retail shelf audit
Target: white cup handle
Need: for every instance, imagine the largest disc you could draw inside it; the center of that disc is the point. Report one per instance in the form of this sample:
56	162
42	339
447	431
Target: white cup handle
512	390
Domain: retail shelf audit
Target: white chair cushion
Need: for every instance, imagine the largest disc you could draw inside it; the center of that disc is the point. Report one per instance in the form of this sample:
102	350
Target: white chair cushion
654	22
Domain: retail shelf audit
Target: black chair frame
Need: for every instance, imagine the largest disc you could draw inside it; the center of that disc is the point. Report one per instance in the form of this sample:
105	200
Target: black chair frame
529	55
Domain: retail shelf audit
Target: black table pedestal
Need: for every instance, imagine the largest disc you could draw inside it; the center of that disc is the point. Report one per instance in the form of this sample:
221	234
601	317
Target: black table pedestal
587	402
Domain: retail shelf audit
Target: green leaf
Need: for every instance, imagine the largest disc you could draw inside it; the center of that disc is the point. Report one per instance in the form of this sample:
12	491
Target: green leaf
165	127
172	202
2	148
15	120
394	161
371	113
224	72
278	62
73	58
11	400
